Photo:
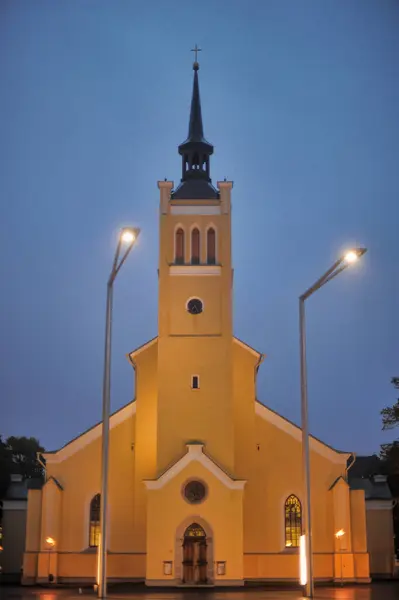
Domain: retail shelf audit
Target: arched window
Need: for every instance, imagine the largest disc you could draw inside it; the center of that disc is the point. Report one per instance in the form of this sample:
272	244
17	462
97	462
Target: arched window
211	246
293	522
179	247
94	528
195	247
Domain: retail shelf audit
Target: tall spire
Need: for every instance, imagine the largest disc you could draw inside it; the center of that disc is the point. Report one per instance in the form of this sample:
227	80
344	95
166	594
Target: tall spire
195	152
196	129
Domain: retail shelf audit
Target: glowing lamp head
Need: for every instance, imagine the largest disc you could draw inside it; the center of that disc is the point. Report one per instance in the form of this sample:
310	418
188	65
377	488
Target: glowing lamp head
351	256
128	236
50	541
340	533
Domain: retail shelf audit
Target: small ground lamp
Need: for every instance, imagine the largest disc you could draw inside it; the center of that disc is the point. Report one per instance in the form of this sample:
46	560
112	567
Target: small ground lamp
339	535
50	544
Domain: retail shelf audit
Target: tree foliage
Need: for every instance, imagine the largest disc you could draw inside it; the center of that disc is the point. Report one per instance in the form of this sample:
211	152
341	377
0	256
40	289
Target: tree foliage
19	455
390	420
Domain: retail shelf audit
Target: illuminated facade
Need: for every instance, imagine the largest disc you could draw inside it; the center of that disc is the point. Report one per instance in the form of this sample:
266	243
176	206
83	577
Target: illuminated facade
205	481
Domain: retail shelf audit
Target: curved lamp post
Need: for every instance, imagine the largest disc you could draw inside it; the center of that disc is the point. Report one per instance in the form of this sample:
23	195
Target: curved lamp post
340	265
127	239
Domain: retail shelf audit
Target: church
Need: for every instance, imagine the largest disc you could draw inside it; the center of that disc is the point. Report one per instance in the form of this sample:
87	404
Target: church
205	481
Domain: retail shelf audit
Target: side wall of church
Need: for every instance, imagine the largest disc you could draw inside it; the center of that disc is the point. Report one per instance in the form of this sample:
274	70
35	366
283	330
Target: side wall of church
80	476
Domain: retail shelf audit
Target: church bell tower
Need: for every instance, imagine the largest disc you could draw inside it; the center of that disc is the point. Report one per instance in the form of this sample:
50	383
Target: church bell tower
195	305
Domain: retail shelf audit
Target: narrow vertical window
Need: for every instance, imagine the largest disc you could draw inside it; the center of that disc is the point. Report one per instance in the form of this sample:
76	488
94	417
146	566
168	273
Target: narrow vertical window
195	247
293	522
179	247
195	382
94	528
211	246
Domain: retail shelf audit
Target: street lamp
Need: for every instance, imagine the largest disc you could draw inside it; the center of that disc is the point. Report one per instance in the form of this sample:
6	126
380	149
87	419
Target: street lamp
340	265
127	238
339	534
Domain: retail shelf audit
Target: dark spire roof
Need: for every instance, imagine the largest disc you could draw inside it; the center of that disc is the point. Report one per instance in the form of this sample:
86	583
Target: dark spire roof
195	152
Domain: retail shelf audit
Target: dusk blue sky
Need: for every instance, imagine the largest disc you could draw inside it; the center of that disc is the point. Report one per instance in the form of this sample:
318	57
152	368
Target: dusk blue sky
301	101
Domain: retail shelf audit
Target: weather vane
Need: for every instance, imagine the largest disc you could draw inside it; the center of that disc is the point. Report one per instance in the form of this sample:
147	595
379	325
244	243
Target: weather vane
196	50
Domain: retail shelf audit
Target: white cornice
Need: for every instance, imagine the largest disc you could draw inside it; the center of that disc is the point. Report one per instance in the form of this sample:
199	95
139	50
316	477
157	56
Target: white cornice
195	453
195	210
89	436
296	432
195	270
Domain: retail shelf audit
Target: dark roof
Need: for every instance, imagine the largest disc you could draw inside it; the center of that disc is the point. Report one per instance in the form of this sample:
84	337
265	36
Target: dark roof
367	473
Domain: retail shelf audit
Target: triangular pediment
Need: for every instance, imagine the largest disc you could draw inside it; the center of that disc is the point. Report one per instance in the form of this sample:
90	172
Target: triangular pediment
196	453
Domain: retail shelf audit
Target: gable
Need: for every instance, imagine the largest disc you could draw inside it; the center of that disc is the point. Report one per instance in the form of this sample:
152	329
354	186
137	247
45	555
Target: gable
283	424
195	453
89	436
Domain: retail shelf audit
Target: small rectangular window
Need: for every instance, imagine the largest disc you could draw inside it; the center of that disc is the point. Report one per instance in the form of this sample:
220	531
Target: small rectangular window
195	382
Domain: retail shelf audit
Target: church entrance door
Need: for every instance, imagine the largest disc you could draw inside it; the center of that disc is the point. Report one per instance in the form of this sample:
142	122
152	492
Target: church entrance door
194	555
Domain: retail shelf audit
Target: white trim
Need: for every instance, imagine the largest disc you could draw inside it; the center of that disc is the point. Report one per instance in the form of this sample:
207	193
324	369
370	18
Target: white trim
195	210
91	435
197	270
248	348
379	504
278	421
15	504
195	453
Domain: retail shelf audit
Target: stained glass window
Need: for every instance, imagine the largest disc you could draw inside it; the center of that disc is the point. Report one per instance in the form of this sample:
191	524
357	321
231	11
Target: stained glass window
194	530
94	530
293	522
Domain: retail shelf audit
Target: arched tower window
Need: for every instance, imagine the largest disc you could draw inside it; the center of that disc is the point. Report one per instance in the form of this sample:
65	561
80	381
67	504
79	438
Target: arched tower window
211	246
195	247
94	528
179	247
293	522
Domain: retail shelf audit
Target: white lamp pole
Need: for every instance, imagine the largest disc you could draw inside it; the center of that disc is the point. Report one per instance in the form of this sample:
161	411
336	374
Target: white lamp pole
340	265
127	237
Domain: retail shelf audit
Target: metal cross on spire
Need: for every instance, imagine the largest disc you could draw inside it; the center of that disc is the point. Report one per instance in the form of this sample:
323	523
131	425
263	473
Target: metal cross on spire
196	50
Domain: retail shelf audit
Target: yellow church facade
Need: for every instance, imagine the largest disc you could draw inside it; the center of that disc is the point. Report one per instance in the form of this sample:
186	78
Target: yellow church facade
205	482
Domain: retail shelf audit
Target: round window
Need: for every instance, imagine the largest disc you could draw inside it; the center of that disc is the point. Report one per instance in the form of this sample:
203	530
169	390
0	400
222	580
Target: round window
195	306
194	492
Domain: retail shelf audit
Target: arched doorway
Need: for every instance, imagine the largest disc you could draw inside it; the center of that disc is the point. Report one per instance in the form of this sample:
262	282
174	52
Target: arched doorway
195	563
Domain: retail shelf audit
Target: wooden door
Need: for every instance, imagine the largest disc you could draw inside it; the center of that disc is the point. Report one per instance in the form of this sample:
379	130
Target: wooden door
202	562
188	561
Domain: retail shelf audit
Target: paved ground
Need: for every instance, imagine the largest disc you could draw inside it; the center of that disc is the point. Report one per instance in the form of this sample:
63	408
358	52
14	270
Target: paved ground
377	591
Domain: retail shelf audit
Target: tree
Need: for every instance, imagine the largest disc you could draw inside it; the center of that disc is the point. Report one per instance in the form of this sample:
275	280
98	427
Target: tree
5	464
390	456
24	456
390	420
19	455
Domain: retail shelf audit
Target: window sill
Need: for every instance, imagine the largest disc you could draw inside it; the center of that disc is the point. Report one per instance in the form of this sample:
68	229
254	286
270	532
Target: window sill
90	550
290	550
